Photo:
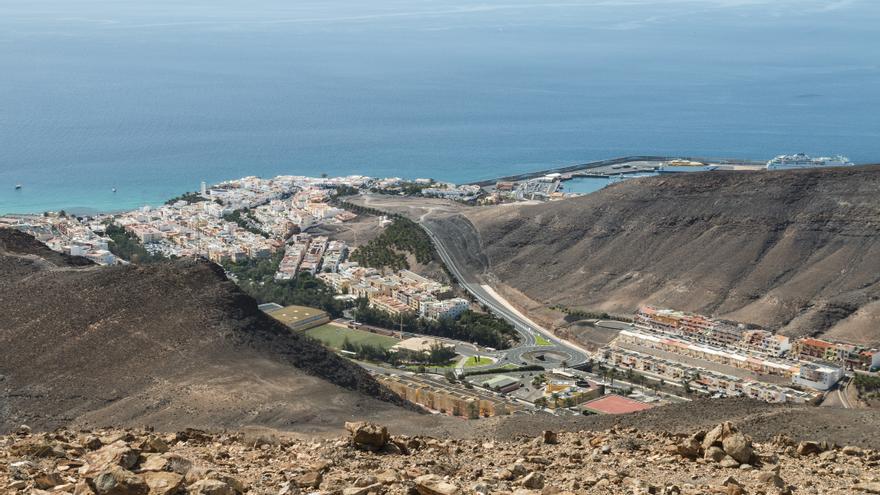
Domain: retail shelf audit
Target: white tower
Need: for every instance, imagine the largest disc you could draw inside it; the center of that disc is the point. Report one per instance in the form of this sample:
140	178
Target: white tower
204	189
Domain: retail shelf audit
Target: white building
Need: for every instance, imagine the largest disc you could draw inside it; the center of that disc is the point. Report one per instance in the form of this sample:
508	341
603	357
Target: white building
818	376
450	308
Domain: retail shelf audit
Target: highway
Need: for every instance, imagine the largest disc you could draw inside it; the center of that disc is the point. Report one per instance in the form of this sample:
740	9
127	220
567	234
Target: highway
560	350
843	395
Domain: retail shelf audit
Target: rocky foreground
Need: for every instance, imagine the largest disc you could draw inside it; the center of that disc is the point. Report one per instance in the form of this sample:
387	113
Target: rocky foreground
370	461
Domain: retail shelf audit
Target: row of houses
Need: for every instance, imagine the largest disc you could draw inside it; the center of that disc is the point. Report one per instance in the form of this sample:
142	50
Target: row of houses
445	399
705	352
704	380
293	257
716	333
848	355
819	377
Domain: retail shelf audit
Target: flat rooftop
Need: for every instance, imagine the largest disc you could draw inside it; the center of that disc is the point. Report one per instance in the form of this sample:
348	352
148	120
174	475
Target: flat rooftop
615	404
269	307
420	344
291	315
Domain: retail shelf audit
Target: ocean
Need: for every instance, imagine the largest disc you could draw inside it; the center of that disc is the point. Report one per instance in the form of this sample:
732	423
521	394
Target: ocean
153	97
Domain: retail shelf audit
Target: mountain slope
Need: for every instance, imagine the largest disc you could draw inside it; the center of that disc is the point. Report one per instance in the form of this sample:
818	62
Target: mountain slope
168	344
796	250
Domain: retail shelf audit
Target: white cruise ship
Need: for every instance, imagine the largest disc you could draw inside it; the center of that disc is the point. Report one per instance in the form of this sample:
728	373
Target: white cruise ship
802	160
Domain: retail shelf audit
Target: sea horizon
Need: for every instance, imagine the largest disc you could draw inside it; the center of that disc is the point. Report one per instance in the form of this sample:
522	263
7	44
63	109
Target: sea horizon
152	101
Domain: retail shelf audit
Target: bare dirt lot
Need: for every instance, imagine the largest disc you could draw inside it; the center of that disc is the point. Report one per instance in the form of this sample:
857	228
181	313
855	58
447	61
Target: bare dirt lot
354	233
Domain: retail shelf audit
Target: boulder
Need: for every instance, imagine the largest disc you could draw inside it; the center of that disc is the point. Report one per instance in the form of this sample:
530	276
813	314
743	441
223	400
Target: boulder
550	437
731	481
311	479
115	454
21	470
154	444
234	483
714	454
34	446
729	462
45	481
167	462
92	443
713	437
289	488
114	480
361	490
83	488
533	481
738	446
368	436
431	484
367	480
162	482
852	450
873	487
210	487
809	448
771	478
16	485
690	448
388	477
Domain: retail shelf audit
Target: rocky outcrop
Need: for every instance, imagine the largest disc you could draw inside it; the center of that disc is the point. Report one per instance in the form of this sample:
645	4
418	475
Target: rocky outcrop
615	461
368	436
724	445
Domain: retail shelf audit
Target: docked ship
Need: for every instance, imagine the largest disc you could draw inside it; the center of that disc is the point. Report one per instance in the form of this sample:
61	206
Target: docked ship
802	160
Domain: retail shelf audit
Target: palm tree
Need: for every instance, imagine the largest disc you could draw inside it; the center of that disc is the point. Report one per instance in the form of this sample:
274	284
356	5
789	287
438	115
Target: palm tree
555	398
612	372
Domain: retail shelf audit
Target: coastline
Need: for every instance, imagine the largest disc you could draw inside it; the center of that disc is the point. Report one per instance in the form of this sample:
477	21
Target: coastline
155	199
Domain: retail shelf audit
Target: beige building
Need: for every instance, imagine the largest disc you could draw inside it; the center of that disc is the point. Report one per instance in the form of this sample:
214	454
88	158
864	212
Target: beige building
471	404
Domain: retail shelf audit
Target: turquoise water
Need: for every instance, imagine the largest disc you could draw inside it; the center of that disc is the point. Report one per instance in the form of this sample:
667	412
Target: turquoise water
153	97
584	185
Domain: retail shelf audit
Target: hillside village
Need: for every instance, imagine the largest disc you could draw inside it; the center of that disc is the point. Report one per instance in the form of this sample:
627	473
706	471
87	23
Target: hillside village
665	355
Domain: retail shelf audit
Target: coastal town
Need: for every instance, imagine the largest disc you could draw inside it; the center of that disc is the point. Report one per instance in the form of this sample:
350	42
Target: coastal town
657	356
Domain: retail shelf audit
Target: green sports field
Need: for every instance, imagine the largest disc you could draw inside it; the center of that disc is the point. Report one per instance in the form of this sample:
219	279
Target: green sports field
333	336
472	361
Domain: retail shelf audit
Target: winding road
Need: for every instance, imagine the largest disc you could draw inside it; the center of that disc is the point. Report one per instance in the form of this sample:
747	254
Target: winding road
529	350
557	351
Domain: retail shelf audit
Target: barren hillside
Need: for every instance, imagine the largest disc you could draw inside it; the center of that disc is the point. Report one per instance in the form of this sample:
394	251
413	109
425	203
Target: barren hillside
720	459
172	344
797	250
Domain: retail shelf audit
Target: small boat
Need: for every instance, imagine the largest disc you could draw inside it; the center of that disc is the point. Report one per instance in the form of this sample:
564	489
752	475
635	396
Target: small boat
114	189
17	187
